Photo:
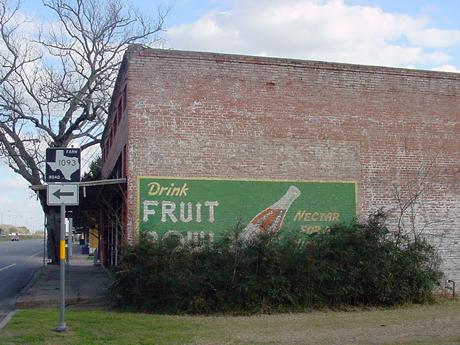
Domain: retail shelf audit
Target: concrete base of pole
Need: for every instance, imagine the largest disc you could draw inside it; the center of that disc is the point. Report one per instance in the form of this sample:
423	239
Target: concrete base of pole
61	328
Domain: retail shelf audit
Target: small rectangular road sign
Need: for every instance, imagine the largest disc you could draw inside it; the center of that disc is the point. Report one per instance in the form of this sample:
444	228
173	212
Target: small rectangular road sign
62	194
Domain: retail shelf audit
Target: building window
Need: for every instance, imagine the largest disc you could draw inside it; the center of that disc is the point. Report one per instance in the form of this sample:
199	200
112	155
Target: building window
125	97
120	110
124	162
115	124
109	140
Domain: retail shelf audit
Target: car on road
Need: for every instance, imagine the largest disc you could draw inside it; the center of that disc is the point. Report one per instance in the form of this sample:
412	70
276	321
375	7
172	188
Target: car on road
15	238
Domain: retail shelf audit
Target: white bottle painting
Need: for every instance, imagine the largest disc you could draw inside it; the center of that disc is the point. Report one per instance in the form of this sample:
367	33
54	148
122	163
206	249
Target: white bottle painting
271	219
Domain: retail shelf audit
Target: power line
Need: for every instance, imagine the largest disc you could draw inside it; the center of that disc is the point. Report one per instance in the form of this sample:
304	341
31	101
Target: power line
89	160
86	139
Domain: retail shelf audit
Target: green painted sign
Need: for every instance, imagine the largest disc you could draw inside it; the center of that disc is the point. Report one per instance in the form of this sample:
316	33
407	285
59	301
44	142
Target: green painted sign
198	208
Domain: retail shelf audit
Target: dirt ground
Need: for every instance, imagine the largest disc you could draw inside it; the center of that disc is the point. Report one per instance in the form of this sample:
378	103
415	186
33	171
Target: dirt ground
428	324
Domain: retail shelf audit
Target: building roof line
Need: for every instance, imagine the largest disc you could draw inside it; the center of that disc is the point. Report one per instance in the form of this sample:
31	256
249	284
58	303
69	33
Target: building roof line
290	62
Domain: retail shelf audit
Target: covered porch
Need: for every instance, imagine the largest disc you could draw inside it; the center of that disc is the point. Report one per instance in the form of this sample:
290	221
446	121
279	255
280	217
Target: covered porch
99	221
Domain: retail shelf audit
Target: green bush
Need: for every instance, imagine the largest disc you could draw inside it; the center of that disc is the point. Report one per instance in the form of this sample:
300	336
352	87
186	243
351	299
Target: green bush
355	264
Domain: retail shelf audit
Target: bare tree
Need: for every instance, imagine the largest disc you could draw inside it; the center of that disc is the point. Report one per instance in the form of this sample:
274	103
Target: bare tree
14	56
410	198
55	89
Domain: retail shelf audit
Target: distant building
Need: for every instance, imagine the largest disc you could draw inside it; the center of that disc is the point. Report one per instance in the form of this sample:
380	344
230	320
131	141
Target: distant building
192	131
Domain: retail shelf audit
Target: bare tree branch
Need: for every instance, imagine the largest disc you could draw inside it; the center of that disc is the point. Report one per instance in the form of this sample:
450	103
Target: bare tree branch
410	200
16	150
66	87
56	84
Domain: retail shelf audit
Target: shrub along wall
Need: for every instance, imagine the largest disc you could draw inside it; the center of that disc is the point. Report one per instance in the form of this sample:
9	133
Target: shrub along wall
356	264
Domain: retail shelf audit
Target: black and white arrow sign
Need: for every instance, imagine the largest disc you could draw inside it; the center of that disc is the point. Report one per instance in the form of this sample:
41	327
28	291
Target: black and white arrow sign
58	194
62	194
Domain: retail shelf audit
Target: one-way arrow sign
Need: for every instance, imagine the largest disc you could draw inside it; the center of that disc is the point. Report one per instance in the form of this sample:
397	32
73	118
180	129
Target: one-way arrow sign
62	194
58	194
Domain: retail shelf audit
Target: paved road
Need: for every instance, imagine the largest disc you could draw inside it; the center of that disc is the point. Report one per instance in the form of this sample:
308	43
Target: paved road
18	262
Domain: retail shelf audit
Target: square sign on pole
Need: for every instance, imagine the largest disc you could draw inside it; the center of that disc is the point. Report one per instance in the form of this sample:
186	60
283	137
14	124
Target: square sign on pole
62	165
62	194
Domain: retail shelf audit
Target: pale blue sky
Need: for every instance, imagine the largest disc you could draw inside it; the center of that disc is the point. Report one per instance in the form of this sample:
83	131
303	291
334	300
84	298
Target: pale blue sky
418	34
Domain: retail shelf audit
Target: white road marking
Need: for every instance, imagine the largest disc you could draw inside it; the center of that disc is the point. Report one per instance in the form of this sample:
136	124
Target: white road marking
7	319
6	267
39	252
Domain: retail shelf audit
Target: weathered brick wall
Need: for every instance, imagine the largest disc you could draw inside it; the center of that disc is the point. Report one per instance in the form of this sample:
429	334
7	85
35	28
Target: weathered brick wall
210	115
118	132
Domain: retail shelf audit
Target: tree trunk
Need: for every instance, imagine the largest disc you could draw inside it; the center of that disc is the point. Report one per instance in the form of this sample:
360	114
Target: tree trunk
54	231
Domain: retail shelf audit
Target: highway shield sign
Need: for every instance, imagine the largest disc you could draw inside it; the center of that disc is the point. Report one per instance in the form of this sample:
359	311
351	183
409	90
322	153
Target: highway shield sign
62	165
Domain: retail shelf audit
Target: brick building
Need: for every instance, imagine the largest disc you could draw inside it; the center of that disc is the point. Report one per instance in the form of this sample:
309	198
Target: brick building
394	132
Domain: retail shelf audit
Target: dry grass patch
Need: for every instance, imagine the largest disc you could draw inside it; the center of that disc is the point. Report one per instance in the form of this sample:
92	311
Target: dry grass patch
411	325
429	324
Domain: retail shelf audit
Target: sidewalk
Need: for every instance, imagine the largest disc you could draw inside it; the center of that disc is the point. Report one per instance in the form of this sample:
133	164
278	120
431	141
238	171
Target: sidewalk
86	285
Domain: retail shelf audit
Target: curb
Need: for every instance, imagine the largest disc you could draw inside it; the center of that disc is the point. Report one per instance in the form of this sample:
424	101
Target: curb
32	280
7	319
54	303
34	277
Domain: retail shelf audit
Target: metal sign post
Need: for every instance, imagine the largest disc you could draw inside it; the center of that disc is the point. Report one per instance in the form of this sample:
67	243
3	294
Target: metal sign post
62	327
63	174
45	230
70	240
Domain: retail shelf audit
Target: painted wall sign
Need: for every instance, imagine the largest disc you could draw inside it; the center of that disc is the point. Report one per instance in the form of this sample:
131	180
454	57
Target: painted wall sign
198	208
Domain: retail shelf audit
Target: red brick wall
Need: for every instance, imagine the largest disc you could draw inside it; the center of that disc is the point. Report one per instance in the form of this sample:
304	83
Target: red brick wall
210	115
116	129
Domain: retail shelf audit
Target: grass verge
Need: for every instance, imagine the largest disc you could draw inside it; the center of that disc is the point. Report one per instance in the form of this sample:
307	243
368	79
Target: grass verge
97	327
427	324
